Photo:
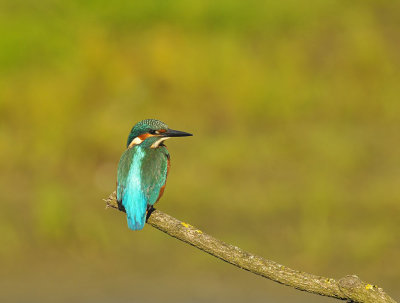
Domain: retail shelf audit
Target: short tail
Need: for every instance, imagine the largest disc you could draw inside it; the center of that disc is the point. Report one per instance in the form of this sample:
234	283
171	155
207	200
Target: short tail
135	211
136	223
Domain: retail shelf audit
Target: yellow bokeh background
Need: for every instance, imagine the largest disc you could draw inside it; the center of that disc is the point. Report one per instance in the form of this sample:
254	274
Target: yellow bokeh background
295	156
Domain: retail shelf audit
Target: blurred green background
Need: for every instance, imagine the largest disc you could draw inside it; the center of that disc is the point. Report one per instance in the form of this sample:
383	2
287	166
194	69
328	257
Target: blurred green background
295	110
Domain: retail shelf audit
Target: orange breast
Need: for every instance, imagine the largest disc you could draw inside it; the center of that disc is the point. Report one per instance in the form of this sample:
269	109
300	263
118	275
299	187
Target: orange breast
163	187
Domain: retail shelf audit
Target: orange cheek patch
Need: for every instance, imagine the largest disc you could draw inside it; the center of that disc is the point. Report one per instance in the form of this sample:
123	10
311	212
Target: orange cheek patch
145	136
140	139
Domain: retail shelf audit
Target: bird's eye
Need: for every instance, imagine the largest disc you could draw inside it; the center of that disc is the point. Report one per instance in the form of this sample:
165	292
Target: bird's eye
154	132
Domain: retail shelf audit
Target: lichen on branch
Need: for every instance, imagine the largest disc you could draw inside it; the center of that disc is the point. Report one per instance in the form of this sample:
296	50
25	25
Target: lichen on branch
349	288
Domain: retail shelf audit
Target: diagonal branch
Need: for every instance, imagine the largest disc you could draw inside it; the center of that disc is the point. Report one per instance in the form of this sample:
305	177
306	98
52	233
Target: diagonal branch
349	288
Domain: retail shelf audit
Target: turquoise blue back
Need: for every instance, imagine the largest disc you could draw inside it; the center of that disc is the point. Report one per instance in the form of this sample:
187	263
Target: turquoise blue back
142	172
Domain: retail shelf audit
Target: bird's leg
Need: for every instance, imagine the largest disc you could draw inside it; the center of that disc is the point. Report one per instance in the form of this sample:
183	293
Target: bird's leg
150	209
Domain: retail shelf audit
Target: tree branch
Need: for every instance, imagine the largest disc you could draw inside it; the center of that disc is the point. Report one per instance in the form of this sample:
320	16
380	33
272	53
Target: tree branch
349	288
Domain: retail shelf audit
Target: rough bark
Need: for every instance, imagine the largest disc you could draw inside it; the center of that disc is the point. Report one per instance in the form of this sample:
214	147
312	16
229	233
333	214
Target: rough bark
349	288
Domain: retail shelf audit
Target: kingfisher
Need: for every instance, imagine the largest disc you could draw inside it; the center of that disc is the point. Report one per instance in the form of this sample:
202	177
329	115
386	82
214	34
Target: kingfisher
143	169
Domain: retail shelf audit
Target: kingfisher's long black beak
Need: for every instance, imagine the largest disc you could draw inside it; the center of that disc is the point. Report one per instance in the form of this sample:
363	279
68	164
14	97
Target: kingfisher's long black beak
175	133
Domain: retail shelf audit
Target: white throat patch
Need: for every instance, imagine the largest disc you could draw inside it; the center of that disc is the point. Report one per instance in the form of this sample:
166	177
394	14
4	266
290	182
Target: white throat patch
135	141
158	142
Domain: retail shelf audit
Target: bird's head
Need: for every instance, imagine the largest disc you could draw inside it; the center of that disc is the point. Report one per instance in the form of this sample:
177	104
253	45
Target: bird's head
153	132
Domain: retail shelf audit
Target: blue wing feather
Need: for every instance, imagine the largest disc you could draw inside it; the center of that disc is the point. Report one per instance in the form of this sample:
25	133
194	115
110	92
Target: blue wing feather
141	174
